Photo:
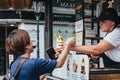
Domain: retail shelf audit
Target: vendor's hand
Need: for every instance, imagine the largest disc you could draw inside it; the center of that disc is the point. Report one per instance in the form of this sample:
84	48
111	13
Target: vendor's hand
94	56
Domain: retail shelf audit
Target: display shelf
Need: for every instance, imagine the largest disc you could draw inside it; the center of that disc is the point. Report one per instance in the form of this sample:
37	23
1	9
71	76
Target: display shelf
89	18
105	74
91	31
105	71
94	38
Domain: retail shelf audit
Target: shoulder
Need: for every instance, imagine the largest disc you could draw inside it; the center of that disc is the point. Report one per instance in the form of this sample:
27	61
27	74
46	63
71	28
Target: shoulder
114	33
113	37
117	29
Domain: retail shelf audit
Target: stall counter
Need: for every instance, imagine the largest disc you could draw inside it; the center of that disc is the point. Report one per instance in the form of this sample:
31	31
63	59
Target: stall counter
105	74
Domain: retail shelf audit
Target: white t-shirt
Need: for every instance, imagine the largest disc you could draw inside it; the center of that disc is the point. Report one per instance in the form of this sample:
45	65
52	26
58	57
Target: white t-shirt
114	38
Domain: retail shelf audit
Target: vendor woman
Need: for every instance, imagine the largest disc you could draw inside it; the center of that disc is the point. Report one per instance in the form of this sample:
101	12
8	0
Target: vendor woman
109	47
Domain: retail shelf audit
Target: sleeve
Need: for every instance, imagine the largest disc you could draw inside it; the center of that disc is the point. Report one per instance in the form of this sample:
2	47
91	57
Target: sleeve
113	38
44	66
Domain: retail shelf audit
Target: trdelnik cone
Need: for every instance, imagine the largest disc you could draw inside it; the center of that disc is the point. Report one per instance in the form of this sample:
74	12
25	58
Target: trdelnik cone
59	41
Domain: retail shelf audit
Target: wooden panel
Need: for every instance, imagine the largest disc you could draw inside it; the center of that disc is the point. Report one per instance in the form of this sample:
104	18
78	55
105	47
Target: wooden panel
105	77
4	4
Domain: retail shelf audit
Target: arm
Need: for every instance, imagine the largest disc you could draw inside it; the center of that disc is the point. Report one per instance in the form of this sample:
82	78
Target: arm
42	77
62	57
93	49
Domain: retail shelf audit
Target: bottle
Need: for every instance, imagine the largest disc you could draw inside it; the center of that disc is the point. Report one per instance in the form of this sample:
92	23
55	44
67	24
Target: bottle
83	67
75	66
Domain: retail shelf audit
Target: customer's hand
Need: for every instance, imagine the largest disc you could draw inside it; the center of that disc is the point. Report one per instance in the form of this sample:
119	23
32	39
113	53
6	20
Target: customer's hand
71	42
59	48
58	52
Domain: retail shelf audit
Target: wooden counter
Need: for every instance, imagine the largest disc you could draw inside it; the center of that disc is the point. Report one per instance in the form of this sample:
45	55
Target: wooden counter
96	74
105	74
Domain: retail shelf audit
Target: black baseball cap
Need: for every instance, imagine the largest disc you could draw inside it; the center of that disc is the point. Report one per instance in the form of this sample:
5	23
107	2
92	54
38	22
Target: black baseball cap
108	14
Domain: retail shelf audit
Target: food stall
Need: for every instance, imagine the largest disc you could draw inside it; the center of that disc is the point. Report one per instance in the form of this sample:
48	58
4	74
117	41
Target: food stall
87	32
77	66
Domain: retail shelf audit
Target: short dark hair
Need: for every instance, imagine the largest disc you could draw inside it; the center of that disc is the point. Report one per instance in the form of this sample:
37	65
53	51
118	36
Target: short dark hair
16	42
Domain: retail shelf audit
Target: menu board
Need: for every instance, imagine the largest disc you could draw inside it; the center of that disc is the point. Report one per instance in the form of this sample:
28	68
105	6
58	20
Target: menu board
76	67
79	32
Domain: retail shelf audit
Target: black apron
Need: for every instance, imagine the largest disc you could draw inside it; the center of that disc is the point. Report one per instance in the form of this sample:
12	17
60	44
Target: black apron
108	63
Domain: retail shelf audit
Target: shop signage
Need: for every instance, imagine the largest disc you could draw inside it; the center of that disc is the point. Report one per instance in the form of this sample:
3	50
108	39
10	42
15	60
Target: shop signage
31	16
63	17
64	3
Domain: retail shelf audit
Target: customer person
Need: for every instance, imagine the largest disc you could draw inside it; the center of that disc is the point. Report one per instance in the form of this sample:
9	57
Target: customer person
109	47
18	43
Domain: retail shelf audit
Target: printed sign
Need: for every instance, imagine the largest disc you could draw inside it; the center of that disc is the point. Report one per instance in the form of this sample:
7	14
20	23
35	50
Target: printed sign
64	3
76	67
